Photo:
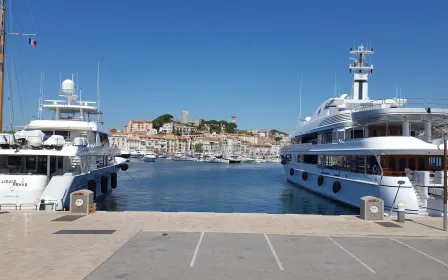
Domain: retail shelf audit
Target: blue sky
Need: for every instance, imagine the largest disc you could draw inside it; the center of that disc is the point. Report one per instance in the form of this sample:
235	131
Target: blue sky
222	58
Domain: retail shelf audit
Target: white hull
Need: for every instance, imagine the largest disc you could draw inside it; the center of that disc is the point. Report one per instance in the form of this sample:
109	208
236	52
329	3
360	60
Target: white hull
30	190
354	186
149	159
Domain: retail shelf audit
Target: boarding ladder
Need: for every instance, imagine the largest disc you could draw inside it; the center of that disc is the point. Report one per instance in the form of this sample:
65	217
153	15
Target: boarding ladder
420	193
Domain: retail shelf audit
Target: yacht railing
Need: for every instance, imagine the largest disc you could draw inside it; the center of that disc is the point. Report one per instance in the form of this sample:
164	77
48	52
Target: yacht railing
404	102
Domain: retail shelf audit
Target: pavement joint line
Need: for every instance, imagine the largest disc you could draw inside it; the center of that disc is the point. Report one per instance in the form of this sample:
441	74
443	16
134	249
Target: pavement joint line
431	257
273	252
353	256
196	250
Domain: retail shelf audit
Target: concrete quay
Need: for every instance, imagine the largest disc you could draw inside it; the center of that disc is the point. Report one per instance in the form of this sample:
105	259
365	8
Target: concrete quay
160	245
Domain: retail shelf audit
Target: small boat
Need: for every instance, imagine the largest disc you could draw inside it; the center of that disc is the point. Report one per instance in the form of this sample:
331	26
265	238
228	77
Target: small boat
149	158
248	160
235	159
124	154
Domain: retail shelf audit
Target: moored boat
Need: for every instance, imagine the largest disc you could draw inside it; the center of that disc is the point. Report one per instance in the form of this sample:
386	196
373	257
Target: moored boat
354	146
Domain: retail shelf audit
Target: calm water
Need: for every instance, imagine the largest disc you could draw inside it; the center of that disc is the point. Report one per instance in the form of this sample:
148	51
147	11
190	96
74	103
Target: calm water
167	185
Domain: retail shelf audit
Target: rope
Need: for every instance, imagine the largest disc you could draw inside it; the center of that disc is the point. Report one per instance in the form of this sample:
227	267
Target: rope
32	16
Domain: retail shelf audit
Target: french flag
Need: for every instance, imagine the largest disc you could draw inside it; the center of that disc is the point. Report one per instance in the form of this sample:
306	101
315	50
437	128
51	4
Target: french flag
32	42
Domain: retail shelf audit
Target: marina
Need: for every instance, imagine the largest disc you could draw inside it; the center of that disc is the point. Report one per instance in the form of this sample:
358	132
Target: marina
195	167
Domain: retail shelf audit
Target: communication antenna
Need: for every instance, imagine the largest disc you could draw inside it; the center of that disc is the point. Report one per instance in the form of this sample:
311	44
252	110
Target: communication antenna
41	96
98	90
300	97
334	89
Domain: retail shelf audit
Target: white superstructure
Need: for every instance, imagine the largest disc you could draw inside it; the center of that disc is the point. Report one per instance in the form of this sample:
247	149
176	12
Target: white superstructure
41	165
353	146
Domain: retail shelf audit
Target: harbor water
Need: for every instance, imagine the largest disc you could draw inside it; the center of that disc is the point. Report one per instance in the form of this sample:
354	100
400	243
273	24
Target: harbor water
187	186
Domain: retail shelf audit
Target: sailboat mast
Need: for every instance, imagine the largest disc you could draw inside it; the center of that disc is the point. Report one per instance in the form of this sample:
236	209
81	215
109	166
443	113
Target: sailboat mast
2	60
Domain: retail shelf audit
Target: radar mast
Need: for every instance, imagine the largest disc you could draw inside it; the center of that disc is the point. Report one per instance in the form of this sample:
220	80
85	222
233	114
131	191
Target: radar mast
361	68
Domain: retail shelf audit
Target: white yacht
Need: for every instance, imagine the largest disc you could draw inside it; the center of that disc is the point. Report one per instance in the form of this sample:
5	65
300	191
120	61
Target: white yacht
354	146
150	157
41	165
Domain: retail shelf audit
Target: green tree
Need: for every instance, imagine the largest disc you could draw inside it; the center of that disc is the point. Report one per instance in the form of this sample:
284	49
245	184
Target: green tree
277	139
250	133
198	148
161	120
113	130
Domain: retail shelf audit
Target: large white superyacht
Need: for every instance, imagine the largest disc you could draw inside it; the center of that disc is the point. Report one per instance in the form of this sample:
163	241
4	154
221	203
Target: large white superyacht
354	146
41	165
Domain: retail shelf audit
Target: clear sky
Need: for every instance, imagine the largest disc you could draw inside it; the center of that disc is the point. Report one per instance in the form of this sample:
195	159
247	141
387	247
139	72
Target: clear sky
222	58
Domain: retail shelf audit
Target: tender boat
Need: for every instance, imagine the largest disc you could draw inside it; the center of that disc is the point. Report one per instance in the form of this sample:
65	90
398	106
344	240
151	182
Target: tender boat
354	146
150	157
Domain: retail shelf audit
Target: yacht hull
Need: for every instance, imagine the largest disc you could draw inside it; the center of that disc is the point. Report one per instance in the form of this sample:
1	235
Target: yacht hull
33	192
355	186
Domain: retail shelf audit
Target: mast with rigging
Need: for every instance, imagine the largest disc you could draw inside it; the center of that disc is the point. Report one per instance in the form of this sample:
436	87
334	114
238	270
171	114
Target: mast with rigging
2	60
2	56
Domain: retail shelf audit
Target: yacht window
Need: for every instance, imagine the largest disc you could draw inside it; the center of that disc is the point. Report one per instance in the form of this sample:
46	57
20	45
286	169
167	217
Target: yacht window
14	161
31	162
60	162
411	164
435	161
372	133
48	132
312	159
393	132
318	113
402	164
103	139
300	158
392	164
288	157
382	132
358	133
421	164
66	134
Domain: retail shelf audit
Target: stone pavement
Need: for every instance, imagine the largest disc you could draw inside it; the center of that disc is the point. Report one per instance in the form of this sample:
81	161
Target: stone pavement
155	245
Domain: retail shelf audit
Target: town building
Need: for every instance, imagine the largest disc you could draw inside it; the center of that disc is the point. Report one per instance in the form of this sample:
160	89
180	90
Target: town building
184	129
166	128
135	126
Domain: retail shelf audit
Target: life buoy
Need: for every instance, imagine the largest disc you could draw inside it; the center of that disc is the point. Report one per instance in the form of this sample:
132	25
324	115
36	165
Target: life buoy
291	171
374	169
104	184
91	186
320	180
336	186
124	167
304	176
113	180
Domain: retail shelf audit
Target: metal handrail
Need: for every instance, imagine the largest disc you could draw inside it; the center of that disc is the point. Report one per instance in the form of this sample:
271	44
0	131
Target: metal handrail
8	204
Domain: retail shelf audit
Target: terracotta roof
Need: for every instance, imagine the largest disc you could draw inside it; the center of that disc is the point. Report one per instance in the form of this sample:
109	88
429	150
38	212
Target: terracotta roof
140	121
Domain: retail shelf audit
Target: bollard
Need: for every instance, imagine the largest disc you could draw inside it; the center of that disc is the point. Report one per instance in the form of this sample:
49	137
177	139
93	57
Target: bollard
401	213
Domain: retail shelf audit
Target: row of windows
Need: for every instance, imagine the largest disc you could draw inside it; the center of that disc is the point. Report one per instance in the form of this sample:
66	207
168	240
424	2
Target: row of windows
354	164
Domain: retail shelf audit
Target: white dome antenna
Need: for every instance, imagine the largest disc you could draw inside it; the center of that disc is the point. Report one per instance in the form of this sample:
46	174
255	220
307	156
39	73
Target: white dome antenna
68	87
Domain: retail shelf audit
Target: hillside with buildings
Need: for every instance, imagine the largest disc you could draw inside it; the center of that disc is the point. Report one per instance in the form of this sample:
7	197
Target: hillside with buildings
167	135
